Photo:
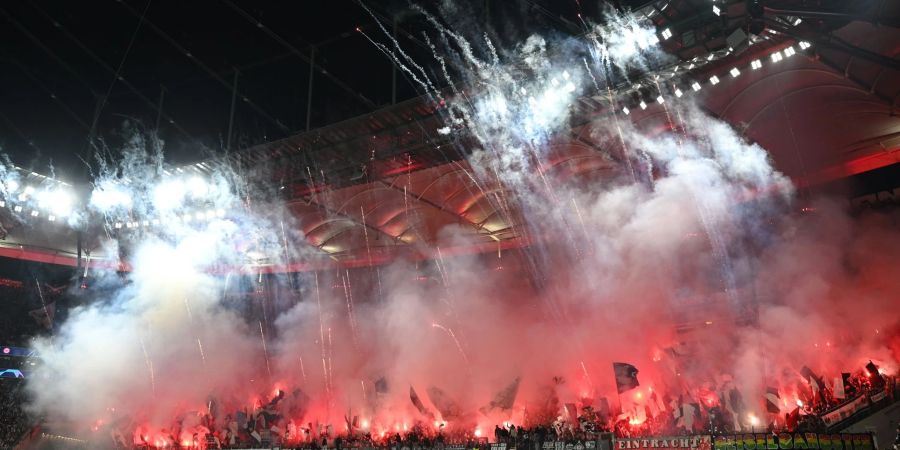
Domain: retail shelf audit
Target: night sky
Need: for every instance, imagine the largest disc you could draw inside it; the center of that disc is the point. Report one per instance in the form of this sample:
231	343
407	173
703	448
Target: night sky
59	63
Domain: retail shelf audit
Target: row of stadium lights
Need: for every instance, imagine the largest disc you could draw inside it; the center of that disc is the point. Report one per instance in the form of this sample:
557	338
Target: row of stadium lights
735	72
55	202
718	11
200	216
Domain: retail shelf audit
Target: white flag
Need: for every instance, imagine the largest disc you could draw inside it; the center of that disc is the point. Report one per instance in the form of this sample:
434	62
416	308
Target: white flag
839	388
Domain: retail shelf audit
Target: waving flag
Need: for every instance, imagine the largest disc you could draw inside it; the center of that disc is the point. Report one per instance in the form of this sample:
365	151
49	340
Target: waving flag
444	404
626	376
815	381
772	400
504	399
417	402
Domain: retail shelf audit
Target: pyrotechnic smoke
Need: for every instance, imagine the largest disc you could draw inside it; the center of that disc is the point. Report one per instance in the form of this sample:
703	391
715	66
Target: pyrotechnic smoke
705	238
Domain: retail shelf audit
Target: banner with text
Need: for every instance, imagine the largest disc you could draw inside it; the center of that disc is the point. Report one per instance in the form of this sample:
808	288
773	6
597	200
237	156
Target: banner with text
795	441
769	441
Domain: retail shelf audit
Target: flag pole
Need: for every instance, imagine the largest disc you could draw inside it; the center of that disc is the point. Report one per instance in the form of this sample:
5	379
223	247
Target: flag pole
618	394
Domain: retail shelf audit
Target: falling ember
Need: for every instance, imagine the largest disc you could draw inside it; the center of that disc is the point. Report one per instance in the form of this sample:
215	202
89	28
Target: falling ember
799	403
262	336
459	347
587	376
322	334
149	366
302	370
187	306
330	358
348	296
202	355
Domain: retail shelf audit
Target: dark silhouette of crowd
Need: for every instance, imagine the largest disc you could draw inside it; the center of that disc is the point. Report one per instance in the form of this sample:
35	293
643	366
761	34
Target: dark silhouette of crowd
14	422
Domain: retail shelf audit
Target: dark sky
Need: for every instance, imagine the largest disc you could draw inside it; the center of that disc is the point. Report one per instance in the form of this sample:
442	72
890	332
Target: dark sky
59	62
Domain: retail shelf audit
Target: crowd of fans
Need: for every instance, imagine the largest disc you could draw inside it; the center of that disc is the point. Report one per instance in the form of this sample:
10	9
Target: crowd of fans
269	424
14	422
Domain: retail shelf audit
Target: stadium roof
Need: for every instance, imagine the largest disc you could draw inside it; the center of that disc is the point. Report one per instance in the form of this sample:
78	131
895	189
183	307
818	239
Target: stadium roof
374	188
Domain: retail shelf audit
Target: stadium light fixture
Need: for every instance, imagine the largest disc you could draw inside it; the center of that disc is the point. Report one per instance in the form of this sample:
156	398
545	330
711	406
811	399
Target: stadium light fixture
696	86
660	100
2	204
110	196
804	45
755	64
714	80
51	218
678	93
642	105
716	10
798	21
197	187
776	57
35	213
666	34
118	225
734	72
18	208
788	52
57	201
626	110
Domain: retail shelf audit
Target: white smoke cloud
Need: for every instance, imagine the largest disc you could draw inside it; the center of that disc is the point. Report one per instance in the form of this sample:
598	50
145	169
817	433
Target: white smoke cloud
616	267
